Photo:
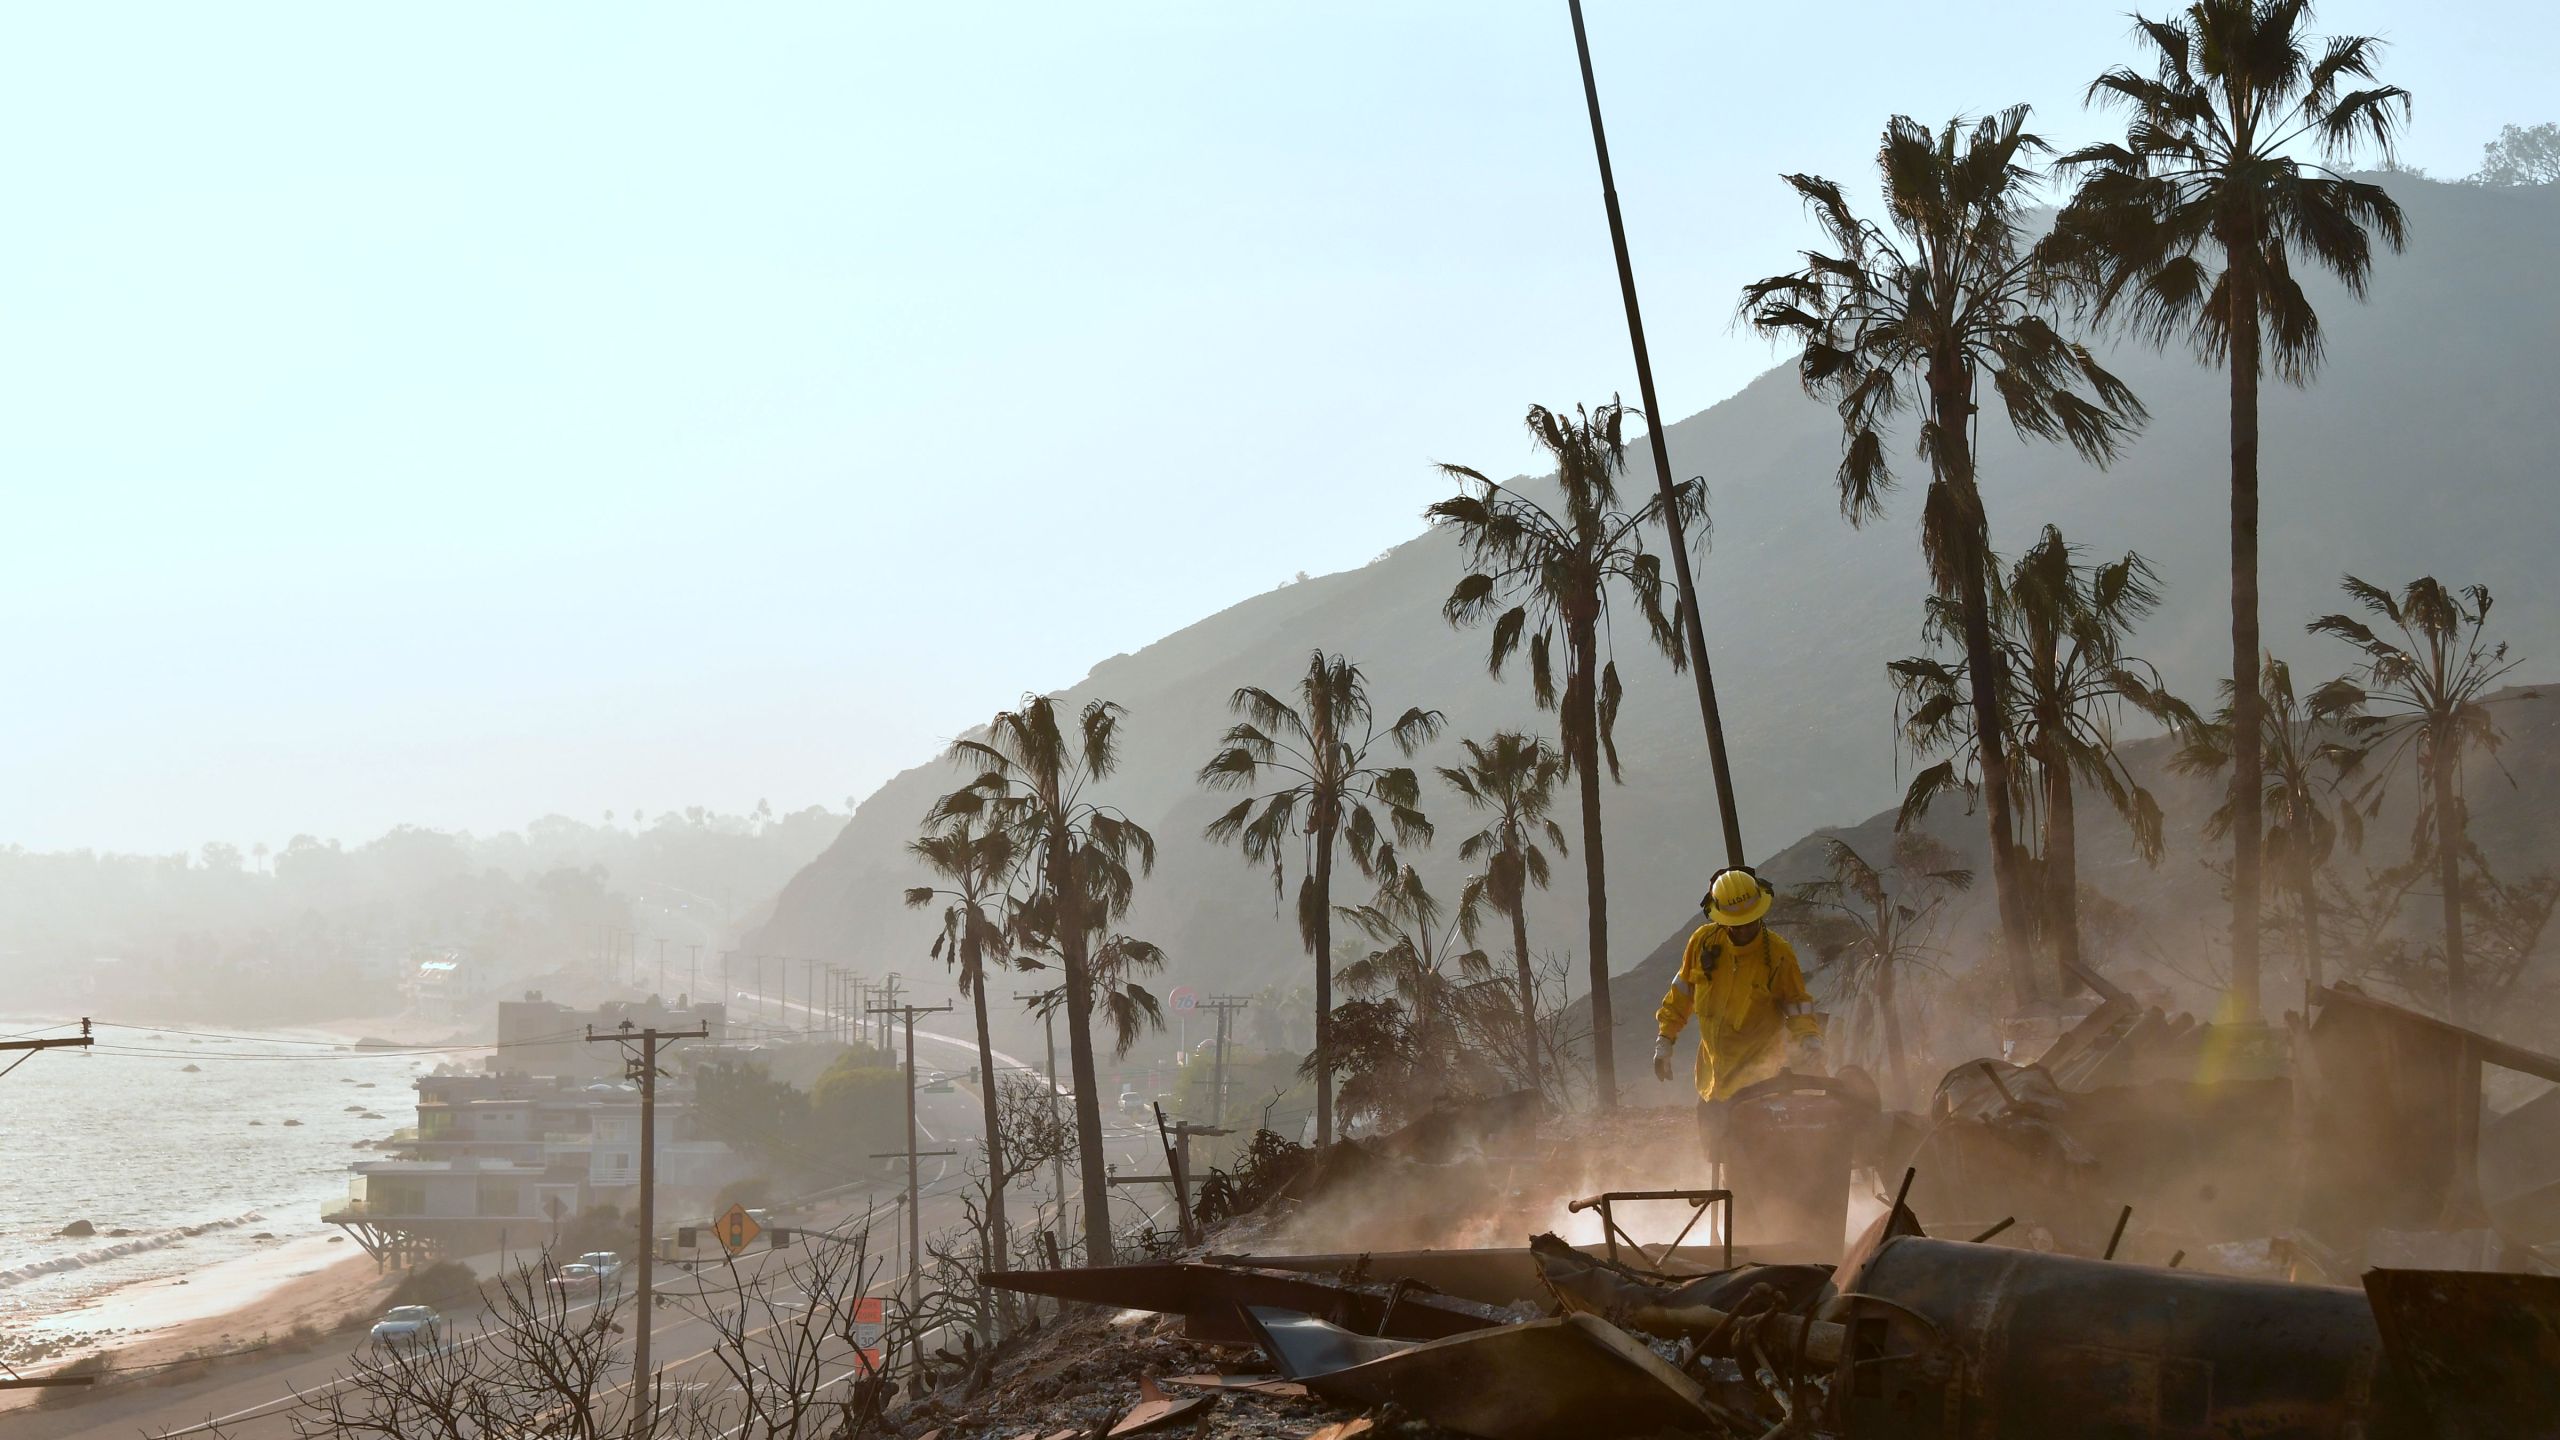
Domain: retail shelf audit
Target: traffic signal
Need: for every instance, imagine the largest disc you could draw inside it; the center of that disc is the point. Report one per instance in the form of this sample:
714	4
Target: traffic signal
781	1237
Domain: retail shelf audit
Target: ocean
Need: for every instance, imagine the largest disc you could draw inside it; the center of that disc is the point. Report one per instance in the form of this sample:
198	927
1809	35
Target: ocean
192	1165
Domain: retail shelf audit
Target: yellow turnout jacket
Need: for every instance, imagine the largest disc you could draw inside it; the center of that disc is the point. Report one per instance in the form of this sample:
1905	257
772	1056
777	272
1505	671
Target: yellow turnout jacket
1748	1000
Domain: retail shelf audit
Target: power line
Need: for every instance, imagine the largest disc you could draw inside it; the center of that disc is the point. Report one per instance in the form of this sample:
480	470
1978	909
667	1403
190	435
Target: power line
221	1035
340	1054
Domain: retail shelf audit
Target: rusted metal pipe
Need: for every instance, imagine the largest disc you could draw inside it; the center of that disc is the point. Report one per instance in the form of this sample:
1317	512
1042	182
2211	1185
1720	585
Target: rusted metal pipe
1950	1341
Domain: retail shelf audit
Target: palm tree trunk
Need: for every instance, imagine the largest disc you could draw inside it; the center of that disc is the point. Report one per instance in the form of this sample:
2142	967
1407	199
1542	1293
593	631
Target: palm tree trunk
1890	1017
1528	982
1582	704
1078	979
999	1255
1987	676
2307	885
2062	867
2248	833
1323	882
2451	832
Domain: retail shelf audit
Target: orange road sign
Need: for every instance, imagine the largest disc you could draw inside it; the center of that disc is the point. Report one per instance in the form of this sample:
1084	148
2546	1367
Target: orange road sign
736	1230
870	1322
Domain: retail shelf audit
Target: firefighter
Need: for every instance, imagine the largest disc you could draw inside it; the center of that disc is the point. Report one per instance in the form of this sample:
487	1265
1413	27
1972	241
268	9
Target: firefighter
1742	982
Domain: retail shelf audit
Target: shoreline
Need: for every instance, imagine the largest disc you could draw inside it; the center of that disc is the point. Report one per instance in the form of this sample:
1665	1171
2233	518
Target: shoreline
226	1305
234	1306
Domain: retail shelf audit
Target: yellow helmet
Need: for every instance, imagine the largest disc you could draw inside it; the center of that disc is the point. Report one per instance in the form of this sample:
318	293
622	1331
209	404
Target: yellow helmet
1736	897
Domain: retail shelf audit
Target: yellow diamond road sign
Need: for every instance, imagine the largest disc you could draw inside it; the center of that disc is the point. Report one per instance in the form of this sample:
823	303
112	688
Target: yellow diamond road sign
736	1230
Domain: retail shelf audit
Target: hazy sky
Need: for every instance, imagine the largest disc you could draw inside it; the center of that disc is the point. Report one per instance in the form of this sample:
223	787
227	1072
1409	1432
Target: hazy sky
453	413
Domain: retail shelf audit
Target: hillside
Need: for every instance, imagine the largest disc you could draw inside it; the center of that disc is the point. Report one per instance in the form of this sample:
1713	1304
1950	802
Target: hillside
2425	446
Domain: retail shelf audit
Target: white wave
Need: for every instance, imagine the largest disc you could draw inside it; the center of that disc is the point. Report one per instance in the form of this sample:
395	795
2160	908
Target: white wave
132	1245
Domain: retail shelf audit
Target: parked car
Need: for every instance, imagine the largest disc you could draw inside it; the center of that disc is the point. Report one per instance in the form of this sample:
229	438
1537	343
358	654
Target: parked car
408	1326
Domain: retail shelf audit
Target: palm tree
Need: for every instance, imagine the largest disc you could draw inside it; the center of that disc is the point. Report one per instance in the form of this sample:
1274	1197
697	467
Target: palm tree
2424	697
1414	956
977	864
2193	225
1513	779
2304	760
1921	316
1319	755
1882	920
1034	785
2060	628
1535	573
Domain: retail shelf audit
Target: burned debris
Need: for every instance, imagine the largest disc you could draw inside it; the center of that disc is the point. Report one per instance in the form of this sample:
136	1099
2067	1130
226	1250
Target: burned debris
2152	1228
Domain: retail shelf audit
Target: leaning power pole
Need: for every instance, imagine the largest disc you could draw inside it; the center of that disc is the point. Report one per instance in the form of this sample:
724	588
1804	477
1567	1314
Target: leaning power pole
1653	424
642	1066
915	1223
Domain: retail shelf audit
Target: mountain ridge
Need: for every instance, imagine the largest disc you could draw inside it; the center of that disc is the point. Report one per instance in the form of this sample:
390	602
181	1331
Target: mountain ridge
2419	448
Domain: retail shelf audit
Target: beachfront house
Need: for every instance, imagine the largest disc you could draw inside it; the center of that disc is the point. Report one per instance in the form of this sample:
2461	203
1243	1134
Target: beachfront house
402	1211
503	1160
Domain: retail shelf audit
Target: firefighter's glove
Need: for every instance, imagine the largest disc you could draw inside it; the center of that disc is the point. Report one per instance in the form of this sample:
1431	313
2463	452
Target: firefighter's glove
1662	1059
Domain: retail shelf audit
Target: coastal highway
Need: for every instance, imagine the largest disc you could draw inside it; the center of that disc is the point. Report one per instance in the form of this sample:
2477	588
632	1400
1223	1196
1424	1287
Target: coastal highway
252	1396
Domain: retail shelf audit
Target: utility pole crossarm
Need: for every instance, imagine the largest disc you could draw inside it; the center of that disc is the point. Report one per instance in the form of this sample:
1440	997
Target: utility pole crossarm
65	1042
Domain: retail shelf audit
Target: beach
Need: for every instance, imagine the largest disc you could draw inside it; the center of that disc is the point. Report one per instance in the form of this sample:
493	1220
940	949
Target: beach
203	1162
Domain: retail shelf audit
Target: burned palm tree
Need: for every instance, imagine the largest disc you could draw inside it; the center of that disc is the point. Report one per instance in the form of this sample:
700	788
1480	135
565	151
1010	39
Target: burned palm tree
2060	629
1875	922
2421	695
975	864
1034	784
1923	313
1417	955
2192	227
1323	759
1544	577
1511	778
2304	760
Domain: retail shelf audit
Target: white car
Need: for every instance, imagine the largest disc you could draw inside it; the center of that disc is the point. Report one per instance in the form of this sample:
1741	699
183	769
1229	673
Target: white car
408	1326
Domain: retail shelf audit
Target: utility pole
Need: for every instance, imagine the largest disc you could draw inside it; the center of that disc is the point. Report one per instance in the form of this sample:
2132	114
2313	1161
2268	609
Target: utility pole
693	976
1226	1006
809	1012
1047	1000
642	1066
915	1227
1654	425
67	1042
889	988
1176	1139
662	966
